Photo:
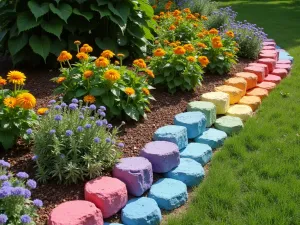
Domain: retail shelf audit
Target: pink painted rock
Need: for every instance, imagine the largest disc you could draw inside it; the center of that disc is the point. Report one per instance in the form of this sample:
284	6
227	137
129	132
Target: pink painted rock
268	48
258	71
76	212
269	43
268	56
269	40
283	66
261	65
280	72
269	86
270	52
269	62
107	193
273	78
259	92
284	61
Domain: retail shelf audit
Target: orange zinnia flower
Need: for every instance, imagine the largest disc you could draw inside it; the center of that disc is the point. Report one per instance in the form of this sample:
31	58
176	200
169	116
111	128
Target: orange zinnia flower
89	99
191	59
10	102
2	81
201	45
60	80
42	111
112	75
176	13
201	35
230	34
139	63
217	44
172	27
87	74
102	62
16	77
213	31
179	50
107	54
159	52
64	56
86	48
189	47
203	60
150	73
129	91
77	42
204	18
26	101
82	56
187	10
146	91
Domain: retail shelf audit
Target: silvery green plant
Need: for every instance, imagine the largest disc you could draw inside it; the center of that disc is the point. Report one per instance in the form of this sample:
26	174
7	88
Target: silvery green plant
220	17
204	7
16	207
74	142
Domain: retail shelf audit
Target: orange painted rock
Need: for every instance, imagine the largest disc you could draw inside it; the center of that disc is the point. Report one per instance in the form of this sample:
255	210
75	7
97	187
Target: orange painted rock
267	85
250	78
235	94
258	71
252	101
269	62
280	72
237	82
273	78
261	65
259	92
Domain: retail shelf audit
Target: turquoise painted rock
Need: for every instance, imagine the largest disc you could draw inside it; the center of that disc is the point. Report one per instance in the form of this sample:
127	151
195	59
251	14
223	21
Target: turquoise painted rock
195	123
172	133
189	172
141	211
201	153
209	109
229	124
169	193
212	137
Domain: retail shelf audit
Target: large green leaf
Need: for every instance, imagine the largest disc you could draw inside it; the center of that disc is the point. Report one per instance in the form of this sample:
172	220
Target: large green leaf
87	15
17	43
38	10
103	11
106	43
102	2
7	139
136	31
108	100
40	45
97	91
81	92
53	26
57	46
132	112
26	21
124	10
119	22
114	10
64	11
3	34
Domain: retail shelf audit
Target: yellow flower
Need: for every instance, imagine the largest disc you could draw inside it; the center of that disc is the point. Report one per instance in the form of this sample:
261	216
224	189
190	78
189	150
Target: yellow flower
236	49
189	47
82	56
117	62
42	111
159	52
77	42
191	59
213	31
102	62
150	73
107	54
16	77
179	50
26	101
129	91
60	80
139	63
10	102
230	33
120	55
195	25
173	44
166	42
203	60
146	91
86	48
201	45
172	27
112	75
229	54
204	18
2	82
89	99
87	74
64	56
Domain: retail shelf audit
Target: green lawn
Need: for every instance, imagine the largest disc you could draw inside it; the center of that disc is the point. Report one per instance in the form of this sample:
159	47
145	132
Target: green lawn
255	178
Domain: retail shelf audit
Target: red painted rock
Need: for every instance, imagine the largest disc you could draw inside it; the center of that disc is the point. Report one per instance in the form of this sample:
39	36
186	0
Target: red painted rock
76	212
107	193
269	86
280	72
269	62
259	92
261	65
268	56
258	71
283	66
284	61
273	78
269	43
268	48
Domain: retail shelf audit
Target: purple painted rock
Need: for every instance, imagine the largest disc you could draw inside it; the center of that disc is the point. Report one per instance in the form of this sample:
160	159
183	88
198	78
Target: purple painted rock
136	173
283	66
107	193
163	155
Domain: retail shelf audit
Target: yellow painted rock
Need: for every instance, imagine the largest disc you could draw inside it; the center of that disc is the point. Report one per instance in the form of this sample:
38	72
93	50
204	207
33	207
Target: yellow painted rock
237	82
220	99
235	93
244	112
250	78
252	101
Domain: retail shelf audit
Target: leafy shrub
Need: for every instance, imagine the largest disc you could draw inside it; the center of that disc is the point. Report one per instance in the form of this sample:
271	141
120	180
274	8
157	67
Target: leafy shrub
220	17
73	142
33	30
178	68
15	191
204	7
125	92
16	114
220	50
248	36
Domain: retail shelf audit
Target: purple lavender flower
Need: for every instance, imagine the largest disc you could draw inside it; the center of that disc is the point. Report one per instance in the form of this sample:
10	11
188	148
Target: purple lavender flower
29	131
81	117
96	140
108	140
109	126
52	102
31	183
99	123
69	133
83	109
103	114
3	177
58	117
75	100
18	191
6	184
3	219
104	122
87	126
4	164
5	191
73	106
25	219
80	129
93	107
121	145
34	158
92	118
38	203
57	107
103	108
27	194
52	131
63	105
22	175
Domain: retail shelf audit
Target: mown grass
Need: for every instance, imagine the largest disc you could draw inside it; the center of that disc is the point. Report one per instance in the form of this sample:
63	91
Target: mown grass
255	178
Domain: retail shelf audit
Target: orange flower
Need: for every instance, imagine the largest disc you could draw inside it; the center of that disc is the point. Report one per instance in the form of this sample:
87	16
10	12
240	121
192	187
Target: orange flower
42	111
191	59
187	10
195	25
216	38
203	60
112	75
229	54
197	15
168	5
204	18
77	42
89	99
173	44
179	50
201	35
2	82
120	55
189	47
154	6
172	27
230	33
166	42
102	62
161	13
156	17
213	31
191	17
201	45
146	91
178	42
86	48
176	13
64	56
159	52
82	56
10	102
129	91
107	54
26	101
117	62
217	44
16	77
139	63
60	80
150	73
87	74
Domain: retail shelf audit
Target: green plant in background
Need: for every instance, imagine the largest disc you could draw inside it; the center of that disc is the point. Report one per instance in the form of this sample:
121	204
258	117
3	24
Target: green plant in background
125	92
204	7
33	31
220	17
74	142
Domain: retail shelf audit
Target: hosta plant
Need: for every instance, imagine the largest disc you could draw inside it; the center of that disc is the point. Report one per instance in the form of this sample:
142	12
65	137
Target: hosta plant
103	81
16	206
16	114
74	142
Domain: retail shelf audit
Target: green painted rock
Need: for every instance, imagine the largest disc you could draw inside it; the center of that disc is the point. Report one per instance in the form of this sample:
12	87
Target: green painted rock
229	124
207	108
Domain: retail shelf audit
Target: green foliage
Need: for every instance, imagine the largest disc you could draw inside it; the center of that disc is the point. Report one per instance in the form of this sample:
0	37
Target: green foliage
220	17
204	7
74	142
34	31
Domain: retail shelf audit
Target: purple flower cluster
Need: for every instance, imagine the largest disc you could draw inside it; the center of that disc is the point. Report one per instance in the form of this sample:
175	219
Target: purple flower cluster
228	13
4	164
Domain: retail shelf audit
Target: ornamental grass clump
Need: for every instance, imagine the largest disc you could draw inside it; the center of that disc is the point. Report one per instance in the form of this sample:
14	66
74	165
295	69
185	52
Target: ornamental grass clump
74	142
204	7
220	17
16	114
105	81
16	207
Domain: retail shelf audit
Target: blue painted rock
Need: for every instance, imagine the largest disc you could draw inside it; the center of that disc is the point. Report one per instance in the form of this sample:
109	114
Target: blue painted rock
195	123
113	224
141	211
209	109
136	173
172	133
212	137
169	193
229	124
189	172
201	153
163	155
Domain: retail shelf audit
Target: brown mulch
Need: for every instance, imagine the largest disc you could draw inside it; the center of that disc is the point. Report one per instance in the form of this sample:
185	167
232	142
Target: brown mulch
134	135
